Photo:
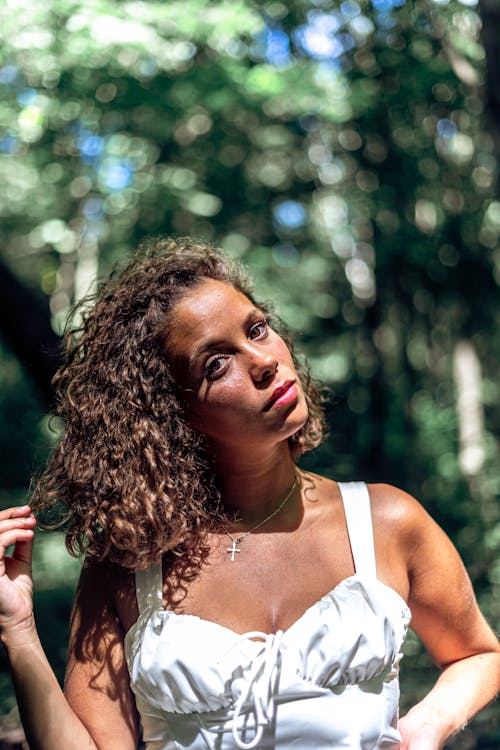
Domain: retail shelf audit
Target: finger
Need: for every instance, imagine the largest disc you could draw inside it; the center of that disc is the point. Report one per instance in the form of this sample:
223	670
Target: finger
23	551
16	512
17	523
13	536
19	537
9	529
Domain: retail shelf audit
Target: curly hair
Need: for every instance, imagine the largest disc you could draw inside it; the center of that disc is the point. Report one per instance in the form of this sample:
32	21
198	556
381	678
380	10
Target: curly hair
130	478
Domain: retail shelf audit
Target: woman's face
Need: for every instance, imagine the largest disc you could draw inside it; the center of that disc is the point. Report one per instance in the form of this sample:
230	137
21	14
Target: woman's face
237	375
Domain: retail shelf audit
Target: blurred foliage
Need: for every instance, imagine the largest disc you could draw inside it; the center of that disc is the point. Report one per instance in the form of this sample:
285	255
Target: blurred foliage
338	148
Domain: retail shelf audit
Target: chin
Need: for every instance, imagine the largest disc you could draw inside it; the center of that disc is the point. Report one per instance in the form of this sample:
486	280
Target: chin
296	420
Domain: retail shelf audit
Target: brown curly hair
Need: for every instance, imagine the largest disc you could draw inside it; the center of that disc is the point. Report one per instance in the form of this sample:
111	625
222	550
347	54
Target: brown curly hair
130	478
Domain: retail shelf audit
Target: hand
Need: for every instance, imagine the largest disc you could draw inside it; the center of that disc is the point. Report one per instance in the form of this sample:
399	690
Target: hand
417	734
16	584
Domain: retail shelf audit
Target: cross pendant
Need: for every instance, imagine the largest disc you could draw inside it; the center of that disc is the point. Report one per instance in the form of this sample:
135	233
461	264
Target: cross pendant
233	549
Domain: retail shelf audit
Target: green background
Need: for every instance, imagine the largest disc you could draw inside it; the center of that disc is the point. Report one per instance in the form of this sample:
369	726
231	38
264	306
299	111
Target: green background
347	153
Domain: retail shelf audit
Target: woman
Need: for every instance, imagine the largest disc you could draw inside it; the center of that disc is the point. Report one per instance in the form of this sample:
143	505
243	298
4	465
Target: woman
228	600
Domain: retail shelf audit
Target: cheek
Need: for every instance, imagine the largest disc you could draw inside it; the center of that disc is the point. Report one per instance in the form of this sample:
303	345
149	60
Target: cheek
224	394
218	399
283	353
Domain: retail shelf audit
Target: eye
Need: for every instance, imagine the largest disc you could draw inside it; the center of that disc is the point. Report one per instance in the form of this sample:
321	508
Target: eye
259	330
215	366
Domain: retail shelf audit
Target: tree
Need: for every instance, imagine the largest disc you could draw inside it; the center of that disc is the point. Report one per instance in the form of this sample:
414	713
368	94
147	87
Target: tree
339	149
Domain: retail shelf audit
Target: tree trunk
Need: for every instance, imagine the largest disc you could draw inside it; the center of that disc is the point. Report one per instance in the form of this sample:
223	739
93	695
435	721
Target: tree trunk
490	15
26	328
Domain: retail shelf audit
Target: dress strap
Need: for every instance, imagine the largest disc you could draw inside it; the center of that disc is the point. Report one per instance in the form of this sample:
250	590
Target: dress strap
149	588
358	516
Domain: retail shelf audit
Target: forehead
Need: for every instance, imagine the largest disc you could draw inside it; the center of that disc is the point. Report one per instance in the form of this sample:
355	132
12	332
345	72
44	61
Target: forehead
207	311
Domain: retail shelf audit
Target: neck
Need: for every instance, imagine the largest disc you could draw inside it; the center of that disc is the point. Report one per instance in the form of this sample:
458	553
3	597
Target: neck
252	486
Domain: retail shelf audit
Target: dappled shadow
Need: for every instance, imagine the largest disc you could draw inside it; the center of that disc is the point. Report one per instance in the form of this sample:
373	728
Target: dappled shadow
97	640
105	608
179	570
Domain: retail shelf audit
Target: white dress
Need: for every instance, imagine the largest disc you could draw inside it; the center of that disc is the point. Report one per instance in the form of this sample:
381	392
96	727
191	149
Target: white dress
329	681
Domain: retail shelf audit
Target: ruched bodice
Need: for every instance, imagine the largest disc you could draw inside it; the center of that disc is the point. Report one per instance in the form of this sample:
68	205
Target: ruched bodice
328	681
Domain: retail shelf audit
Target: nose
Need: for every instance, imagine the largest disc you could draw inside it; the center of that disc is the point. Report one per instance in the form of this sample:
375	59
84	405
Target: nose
263	364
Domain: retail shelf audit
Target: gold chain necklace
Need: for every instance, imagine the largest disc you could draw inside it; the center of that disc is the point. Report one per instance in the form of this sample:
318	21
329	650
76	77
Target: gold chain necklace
235	540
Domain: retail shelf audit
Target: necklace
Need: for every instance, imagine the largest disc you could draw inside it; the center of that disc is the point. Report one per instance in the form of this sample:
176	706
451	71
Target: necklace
235	540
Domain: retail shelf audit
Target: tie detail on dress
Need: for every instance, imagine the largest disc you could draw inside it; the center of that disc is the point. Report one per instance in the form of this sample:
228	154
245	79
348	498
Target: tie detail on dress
257	697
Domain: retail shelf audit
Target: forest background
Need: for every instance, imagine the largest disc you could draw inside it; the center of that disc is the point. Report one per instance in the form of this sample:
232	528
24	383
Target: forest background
347	152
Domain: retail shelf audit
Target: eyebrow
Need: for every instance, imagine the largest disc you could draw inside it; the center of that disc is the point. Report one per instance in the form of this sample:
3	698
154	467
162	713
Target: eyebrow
212	344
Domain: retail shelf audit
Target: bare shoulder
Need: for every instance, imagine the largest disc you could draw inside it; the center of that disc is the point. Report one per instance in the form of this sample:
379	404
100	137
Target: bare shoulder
402	518
393	505
444	610
106	588
399	521
395	513
97	681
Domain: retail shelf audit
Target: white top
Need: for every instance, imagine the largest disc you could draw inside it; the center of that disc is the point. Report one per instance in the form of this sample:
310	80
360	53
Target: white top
329	681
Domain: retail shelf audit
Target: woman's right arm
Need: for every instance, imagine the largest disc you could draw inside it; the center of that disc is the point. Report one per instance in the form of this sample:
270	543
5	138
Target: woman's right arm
97	712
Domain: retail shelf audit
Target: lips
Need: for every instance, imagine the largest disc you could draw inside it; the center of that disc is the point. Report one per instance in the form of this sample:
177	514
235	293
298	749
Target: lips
280	391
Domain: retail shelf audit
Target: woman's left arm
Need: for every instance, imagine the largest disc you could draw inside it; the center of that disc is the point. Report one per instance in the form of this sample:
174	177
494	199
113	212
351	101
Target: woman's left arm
446	617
